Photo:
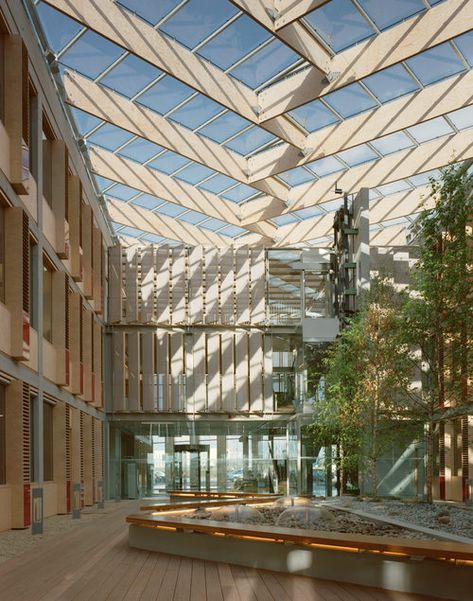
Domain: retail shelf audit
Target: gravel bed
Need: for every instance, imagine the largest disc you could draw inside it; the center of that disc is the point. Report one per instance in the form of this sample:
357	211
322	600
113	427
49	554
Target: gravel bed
446	517
16	542
315	518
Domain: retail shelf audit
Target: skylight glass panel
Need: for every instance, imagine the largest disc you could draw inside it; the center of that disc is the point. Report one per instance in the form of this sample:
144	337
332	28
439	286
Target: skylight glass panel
91	54
130	76
196	112
250	140
152	12
192	217
169	162
435	64
394	187
296	177
84	121
233	230
385	14
340	24
213	224
171	210
463	118
110	137
58	28
397	221
224	127
314	116
140	150
326	166
194	173
196	20
131	231
358	155
265	64
350	100
122	192
285	219
464	43
103	182
320	240
146	201
391	83
392	143
435	128
332	205
239	193
153	239
422	179
308	213
165	95
234	42
218	183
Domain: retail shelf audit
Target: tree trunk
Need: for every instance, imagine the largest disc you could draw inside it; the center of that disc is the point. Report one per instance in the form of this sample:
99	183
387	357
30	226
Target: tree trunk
374	449
429	463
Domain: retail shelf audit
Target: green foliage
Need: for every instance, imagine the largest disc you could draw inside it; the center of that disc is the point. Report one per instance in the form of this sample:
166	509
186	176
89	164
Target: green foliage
404	355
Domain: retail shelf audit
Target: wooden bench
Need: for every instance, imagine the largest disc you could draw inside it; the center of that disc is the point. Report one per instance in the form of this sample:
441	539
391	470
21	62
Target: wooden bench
188	505
437	549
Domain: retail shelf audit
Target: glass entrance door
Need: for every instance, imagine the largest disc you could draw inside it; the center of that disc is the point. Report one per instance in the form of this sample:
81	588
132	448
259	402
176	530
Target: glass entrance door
191	467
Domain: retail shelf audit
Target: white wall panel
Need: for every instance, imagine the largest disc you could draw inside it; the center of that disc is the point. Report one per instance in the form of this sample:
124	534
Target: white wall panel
242	283
228	372
162	370
178	285
258	287
118	374
147	285
131	284
115	284
162	284
213	376
227	284
200	388
133	353
211	285
241	369
177	370
148	365
256	371
196	298
268	373
189	371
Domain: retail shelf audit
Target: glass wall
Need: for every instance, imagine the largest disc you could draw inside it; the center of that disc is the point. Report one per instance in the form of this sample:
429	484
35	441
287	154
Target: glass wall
148	458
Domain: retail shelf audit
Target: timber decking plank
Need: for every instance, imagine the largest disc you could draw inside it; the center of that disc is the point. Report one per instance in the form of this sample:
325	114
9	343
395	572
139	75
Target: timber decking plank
243	585
168	584
198	587
183	586
139	584
258	585
212	582
153	585
94	563
227	583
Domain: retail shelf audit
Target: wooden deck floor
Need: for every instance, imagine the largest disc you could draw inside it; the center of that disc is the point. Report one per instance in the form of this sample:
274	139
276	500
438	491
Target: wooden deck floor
94	563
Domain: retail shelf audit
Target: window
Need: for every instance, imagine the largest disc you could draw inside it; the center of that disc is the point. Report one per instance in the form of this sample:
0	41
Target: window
3	475
32	438
2	252
33	287
48	441
47	301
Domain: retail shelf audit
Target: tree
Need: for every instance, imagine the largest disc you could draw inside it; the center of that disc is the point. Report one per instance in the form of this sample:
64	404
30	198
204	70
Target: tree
362	370
438	318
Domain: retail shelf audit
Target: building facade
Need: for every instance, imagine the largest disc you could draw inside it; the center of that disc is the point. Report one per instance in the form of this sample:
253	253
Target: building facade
53	240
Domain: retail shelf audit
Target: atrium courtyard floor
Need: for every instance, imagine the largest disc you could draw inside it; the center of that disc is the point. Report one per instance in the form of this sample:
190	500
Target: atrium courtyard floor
92	561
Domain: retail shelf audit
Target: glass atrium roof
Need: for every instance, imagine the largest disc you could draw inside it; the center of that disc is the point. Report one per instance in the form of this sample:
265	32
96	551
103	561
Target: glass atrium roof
246	134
